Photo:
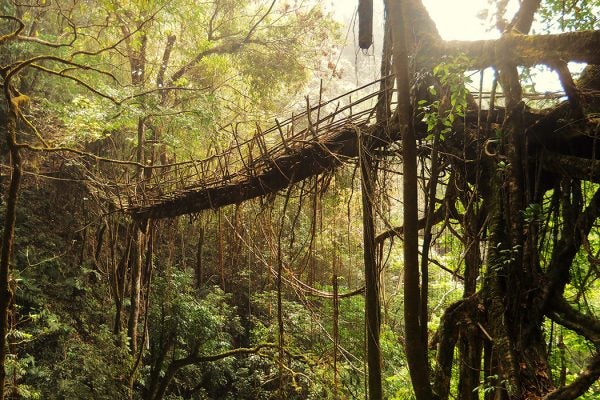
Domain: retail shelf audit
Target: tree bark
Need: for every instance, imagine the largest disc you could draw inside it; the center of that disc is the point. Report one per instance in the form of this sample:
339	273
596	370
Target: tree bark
580	385
523	50
416	348
136	287
9	228
136	264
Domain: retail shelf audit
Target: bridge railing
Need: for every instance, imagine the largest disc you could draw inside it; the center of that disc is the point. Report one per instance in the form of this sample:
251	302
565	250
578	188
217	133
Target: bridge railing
246	158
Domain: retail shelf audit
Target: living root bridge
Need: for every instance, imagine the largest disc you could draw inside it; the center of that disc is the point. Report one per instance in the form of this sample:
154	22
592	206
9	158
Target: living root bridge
326	152
324	146
307	144
300	162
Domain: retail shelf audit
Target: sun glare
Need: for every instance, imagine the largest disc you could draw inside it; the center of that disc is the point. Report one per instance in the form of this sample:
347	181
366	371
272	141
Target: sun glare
462	19
455	20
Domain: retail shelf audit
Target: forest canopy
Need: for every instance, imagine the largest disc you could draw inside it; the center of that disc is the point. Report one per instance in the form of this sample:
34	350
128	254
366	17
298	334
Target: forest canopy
199	201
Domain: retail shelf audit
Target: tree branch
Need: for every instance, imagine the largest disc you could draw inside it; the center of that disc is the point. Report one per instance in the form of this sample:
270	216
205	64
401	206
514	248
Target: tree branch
160	77
122	39
561	312
77	80
569	86
572	166
524	50
398	231
194	358
580	385
224	48
15	33
566	248
260	20
524	17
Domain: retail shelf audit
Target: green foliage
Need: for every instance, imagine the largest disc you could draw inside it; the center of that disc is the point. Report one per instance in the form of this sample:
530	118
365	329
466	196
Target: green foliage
397	380
570	15
96	368
183	322
17	368
309	333
441	114
60	361
204	321
569	354
220	68
532	213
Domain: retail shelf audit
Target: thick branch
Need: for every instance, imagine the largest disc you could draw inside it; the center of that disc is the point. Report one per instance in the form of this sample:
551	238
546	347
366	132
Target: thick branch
37	40
580	385
522	50
565	250
194	358
160	77
562	313
524	17
571	166
569	86
15	33
437	216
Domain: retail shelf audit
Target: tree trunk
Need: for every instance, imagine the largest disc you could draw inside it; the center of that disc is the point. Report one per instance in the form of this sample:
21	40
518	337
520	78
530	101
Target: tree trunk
136	264
416	348
372	306
9	229
513	287
135	294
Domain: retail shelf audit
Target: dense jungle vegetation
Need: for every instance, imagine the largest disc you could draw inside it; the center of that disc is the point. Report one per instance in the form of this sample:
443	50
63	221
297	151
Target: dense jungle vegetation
436	237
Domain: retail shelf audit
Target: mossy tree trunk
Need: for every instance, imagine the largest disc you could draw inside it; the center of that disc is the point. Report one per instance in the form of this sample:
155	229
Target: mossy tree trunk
8	232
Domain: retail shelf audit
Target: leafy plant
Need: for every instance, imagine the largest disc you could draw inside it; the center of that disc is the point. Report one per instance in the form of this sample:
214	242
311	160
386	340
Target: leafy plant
452	104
